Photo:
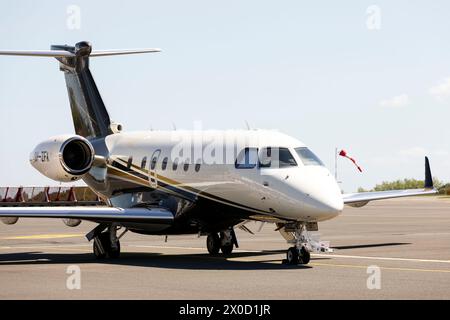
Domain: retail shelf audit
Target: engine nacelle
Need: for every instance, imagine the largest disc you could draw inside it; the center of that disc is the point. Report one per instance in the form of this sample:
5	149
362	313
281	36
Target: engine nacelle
71	222
9	220
63	158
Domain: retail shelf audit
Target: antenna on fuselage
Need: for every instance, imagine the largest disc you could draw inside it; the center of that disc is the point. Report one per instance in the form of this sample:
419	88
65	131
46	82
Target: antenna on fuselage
248	126
174	126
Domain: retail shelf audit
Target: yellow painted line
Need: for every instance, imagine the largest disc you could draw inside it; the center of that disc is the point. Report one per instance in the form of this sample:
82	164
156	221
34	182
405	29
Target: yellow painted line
383	268
44	236
59	247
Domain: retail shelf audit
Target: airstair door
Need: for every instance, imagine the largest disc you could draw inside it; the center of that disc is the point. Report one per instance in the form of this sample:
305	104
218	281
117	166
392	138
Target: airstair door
152	175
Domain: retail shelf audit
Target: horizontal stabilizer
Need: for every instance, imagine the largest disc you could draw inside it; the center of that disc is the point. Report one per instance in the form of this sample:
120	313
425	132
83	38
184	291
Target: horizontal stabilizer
103	53
37	53
67	54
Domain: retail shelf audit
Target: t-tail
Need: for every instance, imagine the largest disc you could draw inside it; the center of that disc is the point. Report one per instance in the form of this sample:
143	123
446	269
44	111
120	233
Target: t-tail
90	117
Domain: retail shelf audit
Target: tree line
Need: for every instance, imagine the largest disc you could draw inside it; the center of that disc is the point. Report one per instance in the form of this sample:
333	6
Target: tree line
402	184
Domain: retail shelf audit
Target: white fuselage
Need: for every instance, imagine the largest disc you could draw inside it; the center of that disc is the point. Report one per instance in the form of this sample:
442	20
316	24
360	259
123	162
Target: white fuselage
213	164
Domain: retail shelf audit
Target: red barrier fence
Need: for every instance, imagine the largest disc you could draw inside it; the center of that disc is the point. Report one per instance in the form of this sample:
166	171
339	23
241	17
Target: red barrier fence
48	196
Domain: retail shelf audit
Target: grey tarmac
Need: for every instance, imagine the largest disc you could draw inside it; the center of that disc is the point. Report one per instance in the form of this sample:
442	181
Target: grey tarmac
407	240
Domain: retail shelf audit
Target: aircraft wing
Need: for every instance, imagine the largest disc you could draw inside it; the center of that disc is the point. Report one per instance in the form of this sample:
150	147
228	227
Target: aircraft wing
362	198
95	214
76	202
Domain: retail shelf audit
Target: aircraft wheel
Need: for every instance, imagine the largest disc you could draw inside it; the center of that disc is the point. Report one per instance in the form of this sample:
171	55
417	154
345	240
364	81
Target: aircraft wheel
227	249
213	243
114	253
305	256
292	256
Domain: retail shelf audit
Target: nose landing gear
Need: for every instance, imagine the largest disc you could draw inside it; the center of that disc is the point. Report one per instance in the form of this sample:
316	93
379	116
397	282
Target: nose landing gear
295	256
300	253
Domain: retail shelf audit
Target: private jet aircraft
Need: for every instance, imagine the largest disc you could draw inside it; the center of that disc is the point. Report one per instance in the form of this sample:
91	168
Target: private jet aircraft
183	182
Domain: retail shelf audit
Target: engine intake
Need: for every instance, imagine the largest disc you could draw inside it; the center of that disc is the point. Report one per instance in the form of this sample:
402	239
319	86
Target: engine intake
77	156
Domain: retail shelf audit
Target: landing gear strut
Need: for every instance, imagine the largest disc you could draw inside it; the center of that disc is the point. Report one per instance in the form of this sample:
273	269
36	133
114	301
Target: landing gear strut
300	253
103	247
225	242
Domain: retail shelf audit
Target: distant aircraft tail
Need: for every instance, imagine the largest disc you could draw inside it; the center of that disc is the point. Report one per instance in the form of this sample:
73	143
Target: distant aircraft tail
90	117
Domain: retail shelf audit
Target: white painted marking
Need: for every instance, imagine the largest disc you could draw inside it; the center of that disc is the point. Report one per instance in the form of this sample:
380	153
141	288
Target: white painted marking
24	261
379	258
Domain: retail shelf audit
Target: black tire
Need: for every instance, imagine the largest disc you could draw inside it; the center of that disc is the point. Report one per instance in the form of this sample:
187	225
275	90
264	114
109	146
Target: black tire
292	256
227	249
305	256
213	243
114	253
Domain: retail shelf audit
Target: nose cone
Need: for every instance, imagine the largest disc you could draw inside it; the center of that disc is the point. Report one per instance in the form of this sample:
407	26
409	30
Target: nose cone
309	193
323	196
331	203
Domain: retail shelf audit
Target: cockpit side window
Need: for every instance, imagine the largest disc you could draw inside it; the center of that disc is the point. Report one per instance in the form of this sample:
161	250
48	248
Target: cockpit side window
276	158
286	159
247	159
308	157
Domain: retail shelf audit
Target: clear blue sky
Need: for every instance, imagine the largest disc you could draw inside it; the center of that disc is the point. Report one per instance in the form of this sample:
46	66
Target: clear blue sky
313	70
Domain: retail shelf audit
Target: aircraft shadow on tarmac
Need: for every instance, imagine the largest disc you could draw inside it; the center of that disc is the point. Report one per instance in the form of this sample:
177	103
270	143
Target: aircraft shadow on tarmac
199	261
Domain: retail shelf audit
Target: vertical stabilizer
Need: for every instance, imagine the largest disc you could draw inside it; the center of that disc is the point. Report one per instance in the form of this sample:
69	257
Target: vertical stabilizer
90	117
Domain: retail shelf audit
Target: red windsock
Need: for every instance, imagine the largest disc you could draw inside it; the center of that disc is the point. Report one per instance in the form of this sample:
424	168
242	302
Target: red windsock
343	153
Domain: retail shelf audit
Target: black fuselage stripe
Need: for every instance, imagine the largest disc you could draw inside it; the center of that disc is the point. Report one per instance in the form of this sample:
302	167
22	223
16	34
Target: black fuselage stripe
190	189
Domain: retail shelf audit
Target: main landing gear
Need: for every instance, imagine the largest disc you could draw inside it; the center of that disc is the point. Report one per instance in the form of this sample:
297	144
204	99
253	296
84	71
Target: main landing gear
225	242
106	243
103	246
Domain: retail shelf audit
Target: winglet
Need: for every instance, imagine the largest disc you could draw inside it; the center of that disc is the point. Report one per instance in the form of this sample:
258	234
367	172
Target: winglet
428	176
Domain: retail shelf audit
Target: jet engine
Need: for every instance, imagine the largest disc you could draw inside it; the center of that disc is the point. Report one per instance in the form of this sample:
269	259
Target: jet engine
71	222
63	158
9	220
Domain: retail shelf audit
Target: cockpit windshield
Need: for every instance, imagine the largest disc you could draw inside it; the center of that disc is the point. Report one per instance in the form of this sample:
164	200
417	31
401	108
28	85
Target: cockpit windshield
308	157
